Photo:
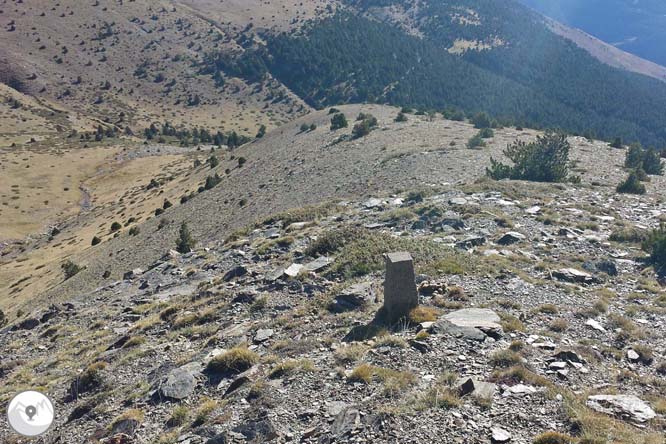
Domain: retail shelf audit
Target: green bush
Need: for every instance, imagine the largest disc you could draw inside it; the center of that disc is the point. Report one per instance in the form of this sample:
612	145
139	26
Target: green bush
95	240
655	245
649	160
476	142
617	143
115	226
338	121
634	156
367	123
213	161
652	163
481	120
401	117
212	181
544	160
487	133
632	185
70	269
185	242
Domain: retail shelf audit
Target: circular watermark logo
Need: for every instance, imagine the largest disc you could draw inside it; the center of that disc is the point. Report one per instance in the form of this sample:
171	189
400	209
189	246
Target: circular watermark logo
30	413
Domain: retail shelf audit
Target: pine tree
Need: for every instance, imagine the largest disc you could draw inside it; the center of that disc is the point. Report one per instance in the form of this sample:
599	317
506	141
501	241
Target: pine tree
185	242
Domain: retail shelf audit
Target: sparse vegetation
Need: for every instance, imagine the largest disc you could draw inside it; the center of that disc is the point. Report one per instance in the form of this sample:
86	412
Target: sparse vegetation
235	360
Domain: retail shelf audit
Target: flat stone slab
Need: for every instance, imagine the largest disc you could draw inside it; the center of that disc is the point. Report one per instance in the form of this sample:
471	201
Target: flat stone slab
573	275
318	264
511	238
627	407
481	318
293	270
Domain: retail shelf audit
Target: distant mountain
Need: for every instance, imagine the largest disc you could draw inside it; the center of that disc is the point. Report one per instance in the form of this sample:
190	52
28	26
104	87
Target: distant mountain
636	26
473	55
237	64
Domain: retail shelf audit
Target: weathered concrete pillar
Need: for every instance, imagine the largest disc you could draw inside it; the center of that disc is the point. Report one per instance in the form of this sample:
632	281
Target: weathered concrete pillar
400	294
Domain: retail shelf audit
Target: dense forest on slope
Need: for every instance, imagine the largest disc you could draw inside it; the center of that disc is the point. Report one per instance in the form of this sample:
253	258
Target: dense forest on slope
531	77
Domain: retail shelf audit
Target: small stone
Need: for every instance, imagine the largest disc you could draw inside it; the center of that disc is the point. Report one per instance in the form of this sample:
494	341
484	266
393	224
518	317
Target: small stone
293	270
263	334
632	356
595	325
499	435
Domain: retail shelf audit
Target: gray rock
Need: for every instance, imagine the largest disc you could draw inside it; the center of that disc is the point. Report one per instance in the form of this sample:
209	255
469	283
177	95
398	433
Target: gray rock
346	422
480	318
627	407
574	276
478	389
499	435
471	242
632	355
258	430
179	384
400	294
458	201
27	324
263	334
356	296
234	273
293	270
318	264
603	266
511	237
443	326
373	203
218	439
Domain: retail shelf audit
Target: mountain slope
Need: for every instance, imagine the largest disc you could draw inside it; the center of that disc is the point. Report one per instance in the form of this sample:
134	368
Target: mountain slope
137	60
635	26
414	53
236	65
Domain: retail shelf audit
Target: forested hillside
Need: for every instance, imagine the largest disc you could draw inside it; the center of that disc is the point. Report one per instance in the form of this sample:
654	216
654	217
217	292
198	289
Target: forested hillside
519	71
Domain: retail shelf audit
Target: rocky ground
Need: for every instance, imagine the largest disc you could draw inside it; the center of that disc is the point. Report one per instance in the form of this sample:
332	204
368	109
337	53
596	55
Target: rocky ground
537	314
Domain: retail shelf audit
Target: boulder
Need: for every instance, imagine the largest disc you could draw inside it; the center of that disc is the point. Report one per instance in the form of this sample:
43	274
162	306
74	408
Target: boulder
346	422
627	407
263	334
511	237
178	384
478	389
354	297
471	242
234	273
574	276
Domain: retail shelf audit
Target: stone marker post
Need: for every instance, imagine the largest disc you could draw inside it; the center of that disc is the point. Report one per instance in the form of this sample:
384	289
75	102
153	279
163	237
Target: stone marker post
400	294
